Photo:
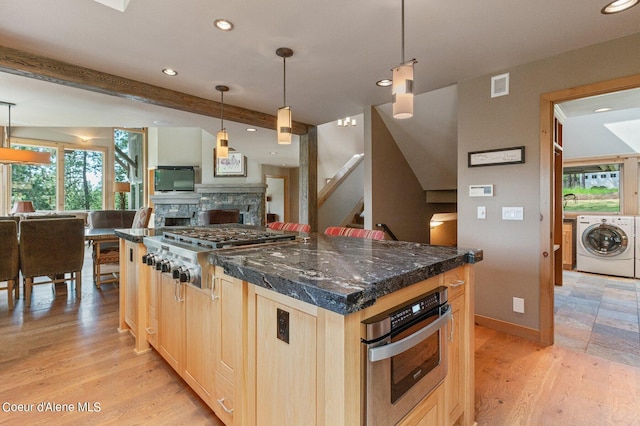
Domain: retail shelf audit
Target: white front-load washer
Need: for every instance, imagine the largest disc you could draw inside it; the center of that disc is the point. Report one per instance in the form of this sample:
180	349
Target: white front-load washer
606	245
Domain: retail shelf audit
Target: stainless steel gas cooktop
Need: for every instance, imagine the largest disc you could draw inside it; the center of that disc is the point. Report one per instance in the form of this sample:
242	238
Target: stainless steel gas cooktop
222	237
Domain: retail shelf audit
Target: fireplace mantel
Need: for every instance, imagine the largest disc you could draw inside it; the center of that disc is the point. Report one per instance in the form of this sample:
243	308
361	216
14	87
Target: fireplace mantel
246	197
229	188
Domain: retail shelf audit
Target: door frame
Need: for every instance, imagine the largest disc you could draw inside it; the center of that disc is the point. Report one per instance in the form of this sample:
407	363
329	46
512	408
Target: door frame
286	193
547	190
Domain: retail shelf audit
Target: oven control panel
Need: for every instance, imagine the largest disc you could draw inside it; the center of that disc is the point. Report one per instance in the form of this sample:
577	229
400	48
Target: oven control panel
417	307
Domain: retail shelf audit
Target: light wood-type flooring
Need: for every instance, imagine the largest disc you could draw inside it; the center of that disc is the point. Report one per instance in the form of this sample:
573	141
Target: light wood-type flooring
68	351
590	376
65	351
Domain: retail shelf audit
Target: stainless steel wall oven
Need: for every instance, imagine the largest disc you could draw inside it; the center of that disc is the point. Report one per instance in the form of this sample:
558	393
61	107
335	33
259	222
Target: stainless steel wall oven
406	356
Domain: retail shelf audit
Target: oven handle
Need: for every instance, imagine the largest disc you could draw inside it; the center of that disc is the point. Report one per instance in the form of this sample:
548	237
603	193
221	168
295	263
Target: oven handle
392	349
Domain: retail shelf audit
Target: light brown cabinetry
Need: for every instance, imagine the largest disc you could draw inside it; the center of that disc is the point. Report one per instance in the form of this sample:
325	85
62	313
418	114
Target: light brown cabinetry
430	412
199	339
172	322
153	308
227	325
316	377
226	343
133	293
568	244
458	384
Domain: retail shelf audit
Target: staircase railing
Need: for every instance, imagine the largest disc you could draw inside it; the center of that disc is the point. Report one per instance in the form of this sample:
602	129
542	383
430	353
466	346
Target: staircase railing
387	230
339	177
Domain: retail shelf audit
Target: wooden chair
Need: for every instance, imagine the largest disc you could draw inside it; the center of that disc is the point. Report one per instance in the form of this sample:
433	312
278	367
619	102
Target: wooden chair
210	217
289	226
372	234
51	248
9	259
108	253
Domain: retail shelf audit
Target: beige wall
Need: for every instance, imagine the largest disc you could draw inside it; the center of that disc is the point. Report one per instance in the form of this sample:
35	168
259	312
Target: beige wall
511	265
396	197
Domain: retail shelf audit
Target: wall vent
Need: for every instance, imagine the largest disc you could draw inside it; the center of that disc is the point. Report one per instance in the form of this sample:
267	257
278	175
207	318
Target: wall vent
499	85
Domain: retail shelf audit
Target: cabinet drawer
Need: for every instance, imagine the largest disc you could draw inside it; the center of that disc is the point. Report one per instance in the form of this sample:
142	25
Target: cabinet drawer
454	280
152	331
222	402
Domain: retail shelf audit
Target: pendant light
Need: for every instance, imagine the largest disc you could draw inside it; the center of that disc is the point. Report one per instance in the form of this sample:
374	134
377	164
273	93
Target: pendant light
20	156
284	112
222	139
402	86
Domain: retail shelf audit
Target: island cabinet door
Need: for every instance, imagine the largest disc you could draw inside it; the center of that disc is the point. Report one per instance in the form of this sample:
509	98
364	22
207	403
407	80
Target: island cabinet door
456	386
198	334
429	412
172	320
153	308
131	285
227	345
284	363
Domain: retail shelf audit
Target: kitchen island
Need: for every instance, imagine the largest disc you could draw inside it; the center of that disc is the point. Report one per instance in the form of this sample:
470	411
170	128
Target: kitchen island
275	335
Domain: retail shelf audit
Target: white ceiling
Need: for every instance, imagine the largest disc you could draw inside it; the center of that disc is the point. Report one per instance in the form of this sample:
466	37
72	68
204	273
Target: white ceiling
342	47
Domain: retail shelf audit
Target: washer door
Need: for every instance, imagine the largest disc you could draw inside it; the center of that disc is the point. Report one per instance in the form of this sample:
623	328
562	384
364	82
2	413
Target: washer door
604	240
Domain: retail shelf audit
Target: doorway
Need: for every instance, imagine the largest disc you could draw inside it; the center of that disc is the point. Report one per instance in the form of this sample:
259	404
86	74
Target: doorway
551	205
277	198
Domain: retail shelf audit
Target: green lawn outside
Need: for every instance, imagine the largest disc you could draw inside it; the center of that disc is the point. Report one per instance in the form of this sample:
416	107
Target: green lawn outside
592	200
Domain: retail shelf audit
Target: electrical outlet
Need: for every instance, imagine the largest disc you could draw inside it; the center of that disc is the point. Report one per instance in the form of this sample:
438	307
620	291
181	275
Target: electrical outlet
282	330
482	212
518	305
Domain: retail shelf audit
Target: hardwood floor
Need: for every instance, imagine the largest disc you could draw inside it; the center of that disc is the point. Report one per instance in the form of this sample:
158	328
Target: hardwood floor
68	351
591	376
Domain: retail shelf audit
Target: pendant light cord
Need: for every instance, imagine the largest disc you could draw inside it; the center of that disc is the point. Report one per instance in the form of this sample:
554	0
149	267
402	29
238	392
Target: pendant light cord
9	128
284	83
402	32
221	110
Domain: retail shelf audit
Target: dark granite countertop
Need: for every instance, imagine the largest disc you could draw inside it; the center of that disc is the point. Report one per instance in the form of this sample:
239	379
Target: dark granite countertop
341	274
135	235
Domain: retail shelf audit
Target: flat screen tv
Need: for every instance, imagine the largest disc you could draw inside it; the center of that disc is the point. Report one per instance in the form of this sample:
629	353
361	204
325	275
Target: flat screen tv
169	178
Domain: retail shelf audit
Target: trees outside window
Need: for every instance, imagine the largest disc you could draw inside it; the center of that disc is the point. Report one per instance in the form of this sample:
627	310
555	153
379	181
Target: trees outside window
82	177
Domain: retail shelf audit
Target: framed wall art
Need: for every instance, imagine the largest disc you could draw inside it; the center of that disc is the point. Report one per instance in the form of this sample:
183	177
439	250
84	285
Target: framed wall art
495	157
233	165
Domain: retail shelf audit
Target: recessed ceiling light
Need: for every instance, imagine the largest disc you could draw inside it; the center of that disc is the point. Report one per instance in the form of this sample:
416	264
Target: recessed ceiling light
273	153
169	71
618	6
384	83
223	24
605	109
251	129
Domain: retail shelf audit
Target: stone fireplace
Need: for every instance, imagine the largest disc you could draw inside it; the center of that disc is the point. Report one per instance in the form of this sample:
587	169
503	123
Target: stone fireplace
180	209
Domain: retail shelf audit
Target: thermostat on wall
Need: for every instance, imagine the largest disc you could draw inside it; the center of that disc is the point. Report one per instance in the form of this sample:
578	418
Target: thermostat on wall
480	190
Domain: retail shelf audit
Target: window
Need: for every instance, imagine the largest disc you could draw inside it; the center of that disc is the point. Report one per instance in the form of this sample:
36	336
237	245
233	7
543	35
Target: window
35	183
592	188
82	177
129	165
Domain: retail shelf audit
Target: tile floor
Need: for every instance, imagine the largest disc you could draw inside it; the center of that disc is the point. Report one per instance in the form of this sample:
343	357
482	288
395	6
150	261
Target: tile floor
599	315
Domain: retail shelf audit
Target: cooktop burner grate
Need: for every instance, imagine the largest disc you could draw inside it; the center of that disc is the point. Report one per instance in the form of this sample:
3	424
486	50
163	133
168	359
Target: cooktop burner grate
226	236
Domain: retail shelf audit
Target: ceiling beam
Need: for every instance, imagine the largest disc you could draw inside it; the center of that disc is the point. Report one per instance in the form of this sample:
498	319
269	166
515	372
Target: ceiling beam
30	65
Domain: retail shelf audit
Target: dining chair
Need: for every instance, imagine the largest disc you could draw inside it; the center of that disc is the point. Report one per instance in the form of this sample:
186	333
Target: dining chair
108	253
10	259
52	248
289	226
372	234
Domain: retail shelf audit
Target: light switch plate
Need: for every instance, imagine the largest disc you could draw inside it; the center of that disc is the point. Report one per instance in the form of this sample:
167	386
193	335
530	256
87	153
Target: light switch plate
513	213
482	212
